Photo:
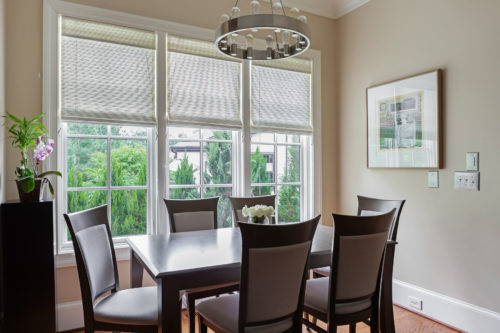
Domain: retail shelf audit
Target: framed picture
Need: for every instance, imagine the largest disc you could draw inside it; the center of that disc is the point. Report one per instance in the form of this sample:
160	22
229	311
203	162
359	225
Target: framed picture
404	122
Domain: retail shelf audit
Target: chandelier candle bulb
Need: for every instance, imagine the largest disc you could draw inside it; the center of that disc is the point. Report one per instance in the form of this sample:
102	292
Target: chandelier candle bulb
286	43
269	44
249	44
223	18
235	12
277	9
254	7
294	12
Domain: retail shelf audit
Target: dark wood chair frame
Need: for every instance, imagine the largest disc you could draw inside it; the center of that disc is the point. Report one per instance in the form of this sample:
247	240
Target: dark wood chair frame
90	323
195	205
383	205
175	206
351	226
275	235
239	202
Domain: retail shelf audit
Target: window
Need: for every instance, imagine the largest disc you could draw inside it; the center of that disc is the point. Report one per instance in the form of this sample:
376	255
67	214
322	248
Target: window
107	164
201	166
225	134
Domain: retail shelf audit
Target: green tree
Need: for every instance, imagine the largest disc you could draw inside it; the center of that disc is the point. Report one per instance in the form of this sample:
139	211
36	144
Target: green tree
258	163
182	176
289	196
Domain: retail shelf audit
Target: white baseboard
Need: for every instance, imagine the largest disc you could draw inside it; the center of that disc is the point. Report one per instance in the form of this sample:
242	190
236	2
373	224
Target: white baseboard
69	316
450	311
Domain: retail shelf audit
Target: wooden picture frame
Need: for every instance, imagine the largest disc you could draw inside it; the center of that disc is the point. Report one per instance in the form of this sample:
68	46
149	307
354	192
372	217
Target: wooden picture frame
404	122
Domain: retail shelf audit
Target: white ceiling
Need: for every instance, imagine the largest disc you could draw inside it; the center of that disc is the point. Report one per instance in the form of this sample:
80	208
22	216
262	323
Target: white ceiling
328	8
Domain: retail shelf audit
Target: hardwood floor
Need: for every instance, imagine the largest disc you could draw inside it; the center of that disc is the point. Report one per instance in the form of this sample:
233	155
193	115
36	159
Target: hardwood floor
406	322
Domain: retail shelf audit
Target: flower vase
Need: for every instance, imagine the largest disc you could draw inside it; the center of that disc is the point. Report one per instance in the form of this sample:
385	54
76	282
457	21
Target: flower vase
260	220
34	195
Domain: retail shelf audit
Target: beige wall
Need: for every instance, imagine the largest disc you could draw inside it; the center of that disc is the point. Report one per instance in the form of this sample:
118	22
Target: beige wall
2	97
24	94
448	239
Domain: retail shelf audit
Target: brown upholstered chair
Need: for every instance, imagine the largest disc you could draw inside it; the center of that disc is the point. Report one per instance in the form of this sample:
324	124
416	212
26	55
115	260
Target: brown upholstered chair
273	273
196	215
239	202
351	294
130	310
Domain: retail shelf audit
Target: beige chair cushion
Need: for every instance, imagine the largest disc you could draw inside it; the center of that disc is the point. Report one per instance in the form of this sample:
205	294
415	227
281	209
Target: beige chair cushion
223	313
137	306
193	221
317	298
369	213
324	271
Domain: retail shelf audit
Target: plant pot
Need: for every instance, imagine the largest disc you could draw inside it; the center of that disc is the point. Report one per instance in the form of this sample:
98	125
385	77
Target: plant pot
33	196
259	220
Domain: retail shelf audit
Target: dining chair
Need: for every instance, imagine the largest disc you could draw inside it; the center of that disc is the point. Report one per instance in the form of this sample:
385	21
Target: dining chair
351	294
239	202
372	206
195	215
105	306
274	262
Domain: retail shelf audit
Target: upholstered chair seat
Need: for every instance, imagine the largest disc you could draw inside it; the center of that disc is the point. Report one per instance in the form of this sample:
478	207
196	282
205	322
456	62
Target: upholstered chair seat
129	307
223	312
315	298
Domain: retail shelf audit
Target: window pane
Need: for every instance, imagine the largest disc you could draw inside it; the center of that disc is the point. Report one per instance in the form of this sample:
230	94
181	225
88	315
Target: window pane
183	132
288	203
184	166
87	129
129	131
209	134
185	193
258	191
288	164
263	137
224	209
86	162
128	212
128	162
81	200
217	160
262	164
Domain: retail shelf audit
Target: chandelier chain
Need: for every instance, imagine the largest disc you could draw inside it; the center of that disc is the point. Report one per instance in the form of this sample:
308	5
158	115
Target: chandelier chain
235	5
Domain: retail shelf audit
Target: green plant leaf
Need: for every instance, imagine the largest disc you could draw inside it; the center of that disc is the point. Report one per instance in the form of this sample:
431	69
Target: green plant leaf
51	189
28	184
46	173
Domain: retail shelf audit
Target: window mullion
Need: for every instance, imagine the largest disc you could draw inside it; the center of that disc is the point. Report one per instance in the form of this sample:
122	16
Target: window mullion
108	185
246	145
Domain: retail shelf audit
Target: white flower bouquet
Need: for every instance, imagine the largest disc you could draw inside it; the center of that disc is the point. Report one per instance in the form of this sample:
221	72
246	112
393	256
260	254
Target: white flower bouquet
257	213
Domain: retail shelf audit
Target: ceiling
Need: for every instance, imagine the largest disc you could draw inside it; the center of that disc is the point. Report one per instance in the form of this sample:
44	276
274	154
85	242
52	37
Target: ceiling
328	8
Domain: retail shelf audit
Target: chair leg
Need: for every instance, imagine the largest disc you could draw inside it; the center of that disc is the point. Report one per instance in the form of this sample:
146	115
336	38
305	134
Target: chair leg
374	325
191	312
203	327
352	328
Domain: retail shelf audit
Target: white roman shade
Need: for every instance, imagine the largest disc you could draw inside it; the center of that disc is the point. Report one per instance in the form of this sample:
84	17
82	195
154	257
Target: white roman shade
281	96
203	86
107	73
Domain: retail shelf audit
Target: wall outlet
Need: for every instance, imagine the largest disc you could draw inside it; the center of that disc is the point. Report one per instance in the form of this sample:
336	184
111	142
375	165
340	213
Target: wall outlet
415	303
467	180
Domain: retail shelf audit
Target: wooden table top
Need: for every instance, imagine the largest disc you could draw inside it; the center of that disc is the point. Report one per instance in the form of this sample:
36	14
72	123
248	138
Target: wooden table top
197	251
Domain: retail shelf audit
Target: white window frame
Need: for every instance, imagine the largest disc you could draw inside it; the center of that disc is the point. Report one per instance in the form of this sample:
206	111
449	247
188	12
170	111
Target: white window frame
53	9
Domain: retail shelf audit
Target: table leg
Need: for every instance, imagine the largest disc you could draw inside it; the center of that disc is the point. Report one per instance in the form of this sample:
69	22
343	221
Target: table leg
169	307
136	271
386	308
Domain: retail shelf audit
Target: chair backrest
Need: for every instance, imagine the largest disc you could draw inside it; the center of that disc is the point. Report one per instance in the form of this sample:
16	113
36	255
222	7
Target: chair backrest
95	254
273	271
192	215
370	206
358	249
239	202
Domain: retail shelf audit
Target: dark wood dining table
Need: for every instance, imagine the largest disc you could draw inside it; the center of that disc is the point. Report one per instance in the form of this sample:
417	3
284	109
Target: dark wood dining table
187	260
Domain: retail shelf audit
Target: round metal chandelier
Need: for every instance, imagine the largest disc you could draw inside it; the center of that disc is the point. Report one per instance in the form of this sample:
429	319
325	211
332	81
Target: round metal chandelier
285	36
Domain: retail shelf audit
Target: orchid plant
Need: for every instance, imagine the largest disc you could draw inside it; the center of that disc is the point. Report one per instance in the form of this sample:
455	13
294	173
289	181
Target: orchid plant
27	135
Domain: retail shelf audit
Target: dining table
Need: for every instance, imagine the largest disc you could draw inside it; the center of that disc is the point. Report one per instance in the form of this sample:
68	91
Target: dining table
196	259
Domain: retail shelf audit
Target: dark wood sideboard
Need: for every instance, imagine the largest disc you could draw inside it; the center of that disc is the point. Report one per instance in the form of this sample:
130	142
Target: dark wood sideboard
27	287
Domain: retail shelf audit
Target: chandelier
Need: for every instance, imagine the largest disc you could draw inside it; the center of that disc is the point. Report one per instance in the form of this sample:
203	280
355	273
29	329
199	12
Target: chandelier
243	37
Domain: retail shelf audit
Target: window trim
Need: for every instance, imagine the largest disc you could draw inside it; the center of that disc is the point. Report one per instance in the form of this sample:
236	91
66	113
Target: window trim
52	9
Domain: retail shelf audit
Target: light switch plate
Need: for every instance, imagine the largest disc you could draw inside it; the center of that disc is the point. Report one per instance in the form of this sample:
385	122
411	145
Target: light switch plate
472	161
433	179
467	180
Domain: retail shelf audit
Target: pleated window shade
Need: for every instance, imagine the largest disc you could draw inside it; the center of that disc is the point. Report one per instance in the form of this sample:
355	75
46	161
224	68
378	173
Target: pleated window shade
281	96
108	73
203	86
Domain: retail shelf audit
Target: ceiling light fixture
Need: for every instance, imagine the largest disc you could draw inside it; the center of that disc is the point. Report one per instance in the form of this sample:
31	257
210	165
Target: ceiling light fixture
285	36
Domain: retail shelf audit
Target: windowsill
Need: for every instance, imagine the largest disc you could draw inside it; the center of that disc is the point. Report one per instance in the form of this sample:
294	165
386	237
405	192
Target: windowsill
67	258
